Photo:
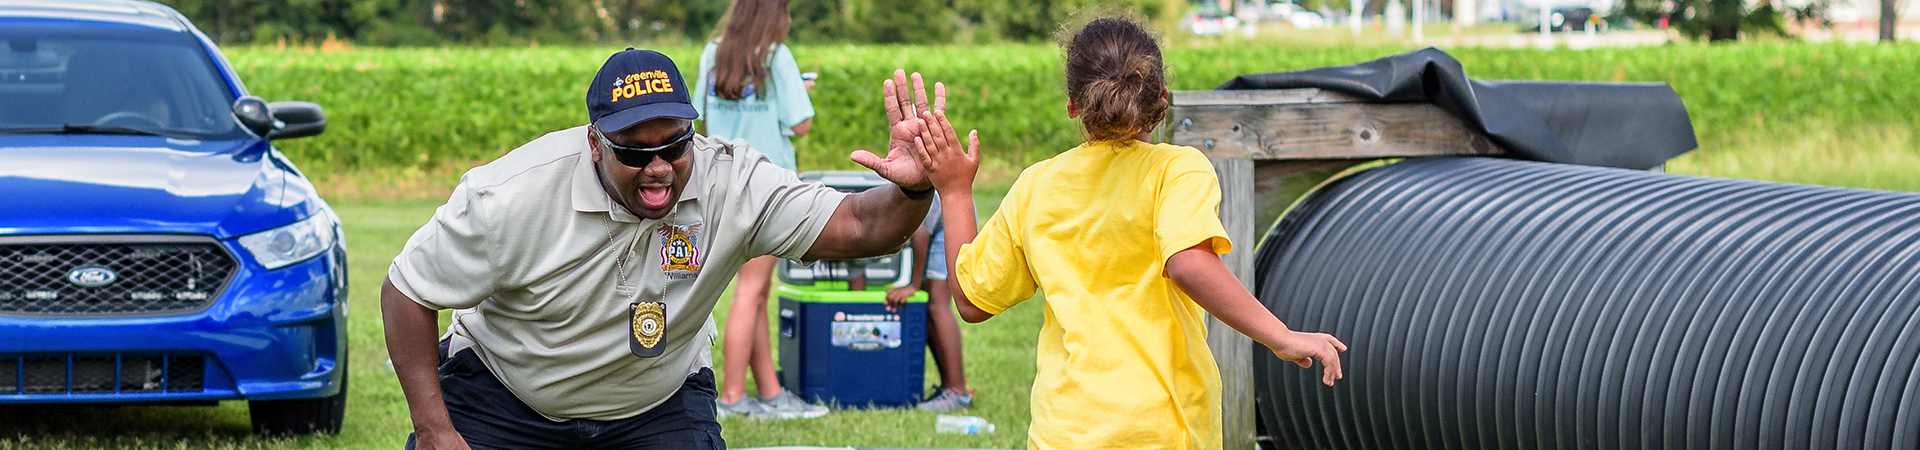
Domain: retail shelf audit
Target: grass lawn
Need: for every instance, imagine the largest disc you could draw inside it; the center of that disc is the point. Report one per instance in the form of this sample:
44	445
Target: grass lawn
382	204
999	358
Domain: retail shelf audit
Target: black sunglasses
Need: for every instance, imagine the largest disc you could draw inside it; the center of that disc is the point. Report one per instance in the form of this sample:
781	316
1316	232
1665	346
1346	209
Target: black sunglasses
639	157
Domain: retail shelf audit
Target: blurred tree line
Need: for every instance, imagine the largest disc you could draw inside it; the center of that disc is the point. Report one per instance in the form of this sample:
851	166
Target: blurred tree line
1719	20
572	22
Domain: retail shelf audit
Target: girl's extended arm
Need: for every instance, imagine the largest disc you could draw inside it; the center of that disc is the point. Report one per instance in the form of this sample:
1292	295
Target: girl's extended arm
1200	273
952	171
957	211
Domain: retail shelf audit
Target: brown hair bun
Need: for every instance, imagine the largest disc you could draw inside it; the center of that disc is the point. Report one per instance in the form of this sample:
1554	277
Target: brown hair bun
1116	78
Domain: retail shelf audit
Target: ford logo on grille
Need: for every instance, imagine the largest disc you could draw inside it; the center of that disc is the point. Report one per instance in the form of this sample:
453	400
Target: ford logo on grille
92	276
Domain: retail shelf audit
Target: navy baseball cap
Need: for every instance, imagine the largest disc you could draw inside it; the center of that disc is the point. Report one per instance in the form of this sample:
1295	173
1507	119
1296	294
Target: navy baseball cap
635	86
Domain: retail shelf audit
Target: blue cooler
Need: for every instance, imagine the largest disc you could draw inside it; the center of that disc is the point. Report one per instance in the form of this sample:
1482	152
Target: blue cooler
844	347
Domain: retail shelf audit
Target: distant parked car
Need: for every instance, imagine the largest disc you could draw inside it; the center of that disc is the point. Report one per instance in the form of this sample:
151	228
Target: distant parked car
1307	20
154	246
1281	9
1569	18
1250	12
1209	21
1296	16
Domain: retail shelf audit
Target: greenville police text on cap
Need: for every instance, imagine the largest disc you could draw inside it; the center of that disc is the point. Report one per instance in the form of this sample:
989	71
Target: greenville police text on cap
635	86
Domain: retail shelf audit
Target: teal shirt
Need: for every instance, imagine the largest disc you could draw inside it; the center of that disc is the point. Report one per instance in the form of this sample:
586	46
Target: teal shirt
764	117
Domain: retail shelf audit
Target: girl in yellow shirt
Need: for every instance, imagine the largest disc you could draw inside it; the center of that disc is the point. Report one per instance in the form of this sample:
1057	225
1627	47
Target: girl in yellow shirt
1124	237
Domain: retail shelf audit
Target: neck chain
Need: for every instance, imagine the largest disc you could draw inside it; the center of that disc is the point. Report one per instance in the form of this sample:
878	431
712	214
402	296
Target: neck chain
620	264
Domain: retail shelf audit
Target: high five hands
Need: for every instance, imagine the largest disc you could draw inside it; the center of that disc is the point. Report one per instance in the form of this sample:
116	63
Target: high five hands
922	150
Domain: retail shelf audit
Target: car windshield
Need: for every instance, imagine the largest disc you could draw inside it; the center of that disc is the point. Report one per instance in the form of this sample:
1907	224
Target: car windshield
113	80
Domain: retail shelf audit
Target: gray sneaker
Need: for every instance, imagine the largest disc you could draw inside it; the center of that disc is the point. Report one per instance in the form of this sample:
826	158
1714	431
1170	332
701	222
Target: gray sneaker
746	407
785	405
947	400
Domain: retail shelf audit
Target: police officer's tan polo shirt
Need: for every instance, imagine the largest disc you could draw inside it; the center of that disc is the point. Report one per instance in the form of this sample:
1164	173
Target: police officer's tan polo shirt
521	251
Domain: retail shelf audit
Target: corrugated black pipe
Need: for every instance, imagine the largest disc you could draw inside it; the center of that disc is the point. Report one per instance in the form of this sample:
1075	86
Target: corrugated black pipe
1504	304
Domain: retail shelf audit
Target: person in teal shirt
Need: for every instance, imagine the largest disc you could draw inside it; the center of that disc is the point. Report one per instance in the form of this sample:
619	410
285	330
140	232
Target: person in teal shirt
768	105
750	89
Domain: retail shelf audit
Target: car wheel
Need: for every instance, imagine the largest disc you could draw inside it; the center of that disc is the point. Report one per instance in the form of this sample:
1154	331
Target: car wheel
302	416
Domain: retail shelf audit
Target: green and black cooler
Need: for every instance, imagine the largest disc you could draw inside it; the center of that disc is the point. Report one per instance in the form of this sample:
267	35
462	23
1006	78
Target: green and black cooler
846	348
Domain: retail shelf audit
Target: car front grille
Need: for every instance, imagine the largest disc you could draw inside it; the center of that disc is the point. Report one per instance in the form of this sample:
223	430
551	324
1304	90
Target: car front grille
111	275
101	374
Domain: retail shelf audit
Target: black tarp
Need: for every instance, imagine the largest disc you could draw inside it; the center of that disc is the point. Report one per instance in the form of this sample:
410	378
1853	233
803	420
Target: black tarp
1624	125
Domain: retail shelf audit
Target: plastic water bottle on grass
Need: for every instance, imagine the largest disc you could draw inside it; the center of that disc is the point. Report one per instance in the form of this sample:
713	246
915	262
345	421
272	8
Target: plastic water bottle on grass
961	425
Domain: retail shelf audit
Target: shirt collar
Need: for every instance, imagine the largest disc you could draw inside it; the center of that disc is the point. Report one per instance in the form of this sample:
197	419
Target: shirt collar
590	197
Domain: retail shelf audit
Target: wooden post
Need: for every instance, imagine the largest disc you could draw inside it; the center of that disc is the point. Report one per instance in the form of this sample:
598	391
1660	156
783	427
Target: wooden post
1269	148
1232	350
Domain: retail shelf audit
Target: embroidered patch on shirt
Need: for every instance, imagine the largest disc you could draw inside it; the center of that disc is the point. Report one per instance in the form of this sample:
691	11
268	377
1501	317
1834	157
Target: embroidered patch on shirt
679	249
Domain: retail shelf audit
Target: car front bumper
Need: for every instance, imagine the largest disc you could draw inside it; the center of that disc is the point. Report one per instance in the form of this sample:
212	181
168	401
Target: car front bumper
271	335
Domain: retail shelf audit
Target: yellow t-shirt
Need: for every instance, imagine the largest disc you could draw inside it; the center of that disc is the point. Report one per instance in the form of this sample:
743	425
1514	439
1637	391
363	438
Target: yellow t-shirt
1123	359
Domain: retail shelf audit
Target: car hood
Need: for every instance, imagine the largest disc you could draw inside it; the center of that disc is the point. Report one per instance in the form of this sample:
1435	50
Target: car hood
61	184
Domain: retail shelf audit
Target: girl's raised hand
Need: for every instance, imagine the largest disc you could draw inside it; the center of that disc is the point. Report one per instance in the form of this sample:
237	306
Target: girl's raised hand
950	167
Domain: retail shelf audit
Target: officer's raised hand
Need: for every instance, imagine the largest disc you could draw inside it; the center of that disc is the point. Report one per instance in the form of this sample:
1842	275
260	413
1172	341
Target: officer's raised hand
903	125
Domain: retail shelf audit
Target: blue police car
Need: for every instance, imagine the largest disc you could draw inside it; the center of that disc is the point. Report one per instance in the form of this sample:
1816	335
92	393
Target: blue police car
154	246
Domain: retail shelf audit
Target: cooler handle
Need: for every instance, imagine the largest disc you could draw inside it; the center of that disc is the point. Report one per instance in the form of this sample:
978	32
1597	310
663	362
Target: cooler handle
786	322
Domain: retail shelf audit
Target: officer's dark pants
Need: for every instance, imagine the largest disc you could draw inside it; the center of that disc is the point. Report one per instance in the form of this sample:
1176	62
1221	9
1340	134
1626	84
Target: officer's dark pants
490	417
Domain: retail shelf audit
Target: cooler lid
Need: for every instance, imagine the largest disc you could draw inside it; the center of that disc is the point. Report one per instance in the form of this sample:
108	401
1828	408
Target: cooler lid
845	180
841	295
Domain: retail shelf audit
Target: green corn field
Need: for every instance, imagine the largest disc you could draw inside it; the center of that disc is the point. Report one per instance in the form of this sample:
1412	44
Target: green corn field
1812	113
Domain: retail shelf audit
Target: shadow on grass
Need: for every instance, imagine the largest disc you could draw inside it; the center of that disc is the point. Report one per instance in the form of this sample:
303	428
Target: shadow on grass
98	426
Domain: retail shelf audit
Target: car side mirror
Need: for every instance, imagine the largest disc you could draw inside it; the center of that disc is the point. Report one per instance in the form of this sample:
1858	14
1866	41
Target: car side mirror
254	114
297	119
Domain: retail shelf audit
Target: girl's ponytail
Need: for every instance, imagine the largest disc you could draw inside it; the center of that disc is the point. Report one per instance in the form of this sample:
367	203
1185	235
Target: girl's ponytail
1116	79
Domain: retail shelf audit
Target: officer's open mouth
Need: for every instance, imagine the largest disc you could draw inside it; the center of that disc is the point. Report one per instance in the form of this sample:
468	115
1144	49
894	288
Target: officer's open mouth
655	197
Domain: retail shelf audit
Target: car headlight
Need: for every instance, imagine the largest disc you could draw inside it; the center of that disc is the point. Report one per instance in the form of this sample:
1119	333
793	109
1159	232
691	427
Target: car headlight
293	243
